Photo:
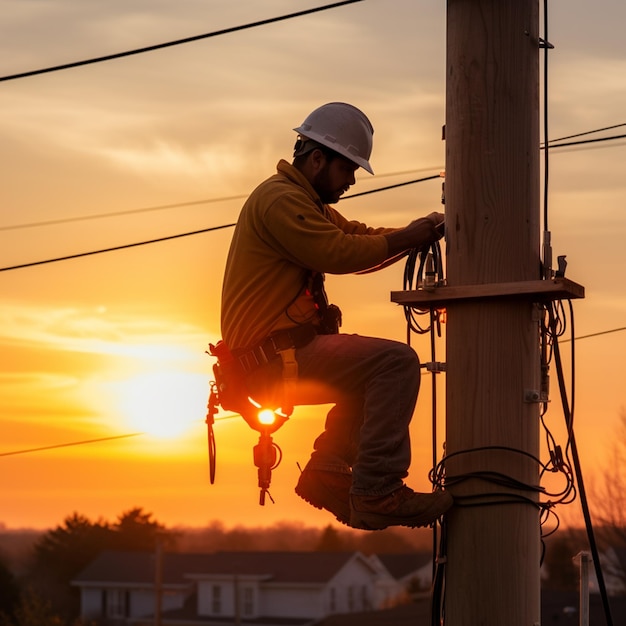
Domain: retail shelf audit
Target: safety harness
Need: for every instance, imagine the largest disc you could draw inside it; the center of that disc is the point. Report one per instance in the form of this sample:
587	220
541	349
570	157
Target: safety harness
230	387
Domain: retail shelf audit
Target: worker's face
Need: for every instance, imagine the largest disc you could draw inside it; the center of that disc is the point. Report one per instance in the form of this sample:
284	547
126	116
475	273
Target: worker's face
334	178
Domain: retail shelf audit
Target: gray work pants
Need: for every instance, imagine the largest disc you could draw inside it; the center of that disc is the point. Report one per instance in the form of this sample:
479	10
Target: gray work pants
373	384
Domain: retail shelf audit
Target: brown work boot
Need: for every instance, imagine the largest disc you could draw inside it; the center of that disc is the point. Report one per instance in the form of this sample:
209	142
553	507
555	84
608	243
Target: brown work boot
403	507
327	490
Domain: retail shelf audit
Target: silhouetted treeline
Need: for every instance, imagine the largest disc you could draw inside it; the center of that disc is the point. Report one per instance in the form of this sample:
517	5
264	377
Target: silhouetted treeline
36	568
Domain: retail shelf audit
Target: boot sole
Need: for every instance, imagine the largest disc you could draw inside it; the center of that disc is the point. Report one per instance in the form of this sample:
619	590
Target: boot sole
379	521
323	499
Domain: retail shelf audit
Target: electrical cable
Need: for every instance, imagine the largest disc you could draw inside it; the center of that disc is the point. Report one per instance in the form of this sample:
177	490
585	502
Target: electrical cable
114	248
598	334
178	236
584	141
80	218
97	216
568	410
67	445
177	42
587	132
414	279
89	441
388	187
176	205
546	148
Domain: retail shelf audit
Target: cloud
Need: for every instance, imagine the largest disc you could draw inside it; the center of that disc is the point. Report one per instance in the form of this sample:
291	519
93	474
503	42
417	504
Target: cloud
97	331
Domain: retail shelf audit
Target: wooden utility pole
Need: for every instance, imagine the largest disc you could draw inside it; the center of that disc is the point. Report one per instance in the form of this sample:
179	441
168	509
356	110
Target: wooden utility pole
494	284
493	365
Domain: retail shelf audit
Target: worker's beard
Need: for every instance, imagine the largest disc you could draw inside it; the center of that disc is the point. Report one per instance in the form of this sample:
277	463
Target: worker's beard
326	190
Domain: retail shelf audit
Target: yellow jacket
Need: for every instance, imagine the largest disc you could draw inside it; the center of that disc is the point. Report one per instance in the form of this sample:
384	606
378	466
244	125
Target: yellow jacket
284	231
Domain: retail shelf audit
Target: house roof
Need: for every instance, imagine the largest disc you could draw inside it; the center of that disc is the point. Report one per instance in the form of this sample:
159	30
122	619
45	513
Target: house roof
295	567
138	568
402	565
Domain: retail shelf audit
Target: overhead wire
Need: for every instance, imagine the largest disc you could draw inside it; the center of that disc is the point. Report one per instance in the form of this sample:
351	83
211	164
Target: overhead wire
588	132
97	216
69	444
146	242
551	333
568	411
185	234
174	205
177	42
582	142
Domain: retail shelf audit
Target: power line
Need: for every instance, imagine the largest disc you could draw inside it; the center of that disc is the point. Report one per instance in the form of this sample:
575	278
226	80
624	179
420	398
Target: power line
583	141
162	207
176	205
410	182
96	216
89	441
67	445
187	234
588	132
177	42
112	249
602	332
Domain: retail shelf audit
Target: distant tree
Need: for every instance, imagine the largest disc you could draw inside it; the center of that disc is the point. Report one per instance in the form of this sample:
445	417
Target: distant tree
59	555
62	553
331	541
387	541
136	530
610	497
9	590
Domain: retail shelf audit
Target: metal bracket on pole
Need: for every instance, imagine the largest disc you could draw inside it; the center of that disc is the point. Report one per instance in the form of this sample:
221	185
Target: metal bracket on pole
535	396
434	366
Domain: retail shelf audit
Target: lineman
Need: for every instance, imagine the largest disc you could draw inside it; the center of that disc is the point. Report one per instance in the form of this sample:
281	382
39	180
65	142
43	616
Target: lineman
287	237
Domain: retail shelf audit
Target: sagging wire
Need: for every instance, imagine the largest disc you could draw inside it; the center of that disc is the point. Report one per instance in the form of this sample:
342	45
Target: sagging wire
424	270
177	42
568	464
545	44
555	325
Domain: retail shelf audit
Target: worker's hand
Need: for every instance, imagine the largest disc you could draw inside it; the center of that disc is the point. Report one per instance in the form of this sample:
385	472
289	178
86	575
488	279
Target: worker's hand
418	233
439	220
425	230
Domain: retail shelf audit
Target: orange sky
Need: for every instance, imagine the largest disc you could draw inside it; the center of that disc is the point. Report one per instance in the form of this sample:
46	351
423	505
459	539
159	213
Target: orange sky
113	344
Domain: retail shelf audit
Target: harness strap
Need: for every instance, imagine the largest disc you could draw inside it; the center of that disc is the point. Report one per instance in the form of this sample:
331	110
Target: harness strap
271	348
290	378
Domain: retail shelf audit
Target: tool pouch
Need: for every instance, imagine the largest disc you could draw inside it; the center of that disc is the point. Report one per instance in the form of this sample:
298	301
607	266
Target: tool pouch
230	379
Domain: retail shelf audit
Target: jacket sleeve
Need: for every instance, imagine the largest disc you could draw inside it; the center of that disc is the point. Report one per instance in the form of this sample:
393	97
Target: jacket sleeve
321	240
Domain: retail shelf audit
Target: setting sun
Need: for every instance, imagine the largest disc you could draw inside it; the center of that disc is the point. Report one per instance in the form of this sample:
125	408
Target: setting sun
162	404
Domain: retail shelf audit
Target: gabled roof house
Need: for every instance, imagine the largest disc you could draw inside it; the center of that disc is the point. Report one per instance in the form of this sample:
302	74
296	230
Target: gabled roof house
282	588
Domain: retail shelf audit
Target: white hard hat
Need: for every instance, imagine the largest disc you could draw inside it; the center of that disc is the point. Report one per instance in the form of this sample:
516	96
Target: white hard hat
344	129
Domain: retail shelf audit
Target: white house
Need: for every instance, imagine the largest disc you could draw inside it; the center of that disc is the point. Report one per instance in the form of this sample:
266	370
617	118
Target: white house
286	588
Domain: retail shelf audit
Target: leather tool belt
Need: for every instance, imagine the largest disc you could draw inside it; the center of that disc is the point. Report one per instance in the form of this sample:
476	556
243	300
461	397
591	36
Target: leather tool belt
270	348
